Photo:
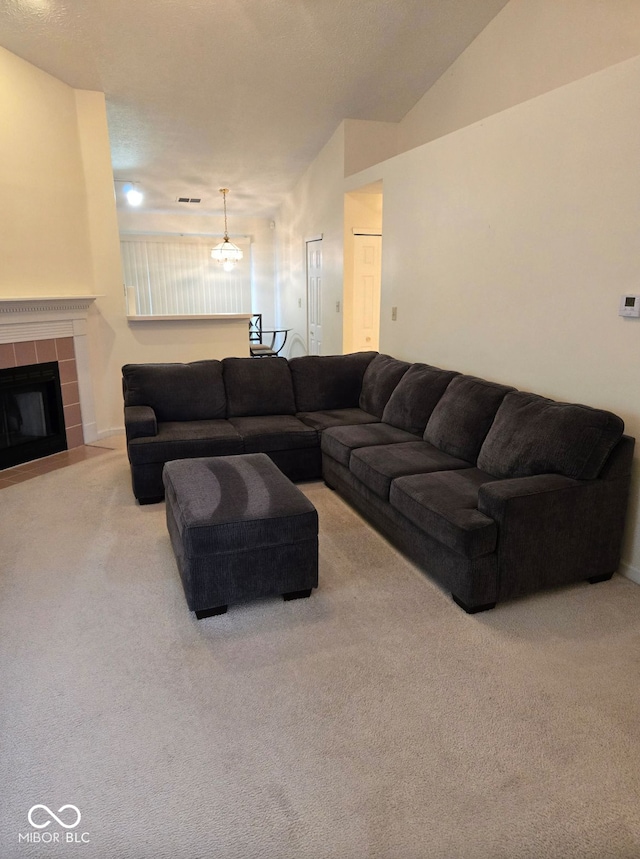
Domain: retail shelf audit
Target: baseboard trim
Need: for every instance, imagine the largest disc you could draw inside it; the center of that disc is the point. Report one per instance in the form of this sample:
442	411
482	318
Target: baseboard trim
630	572
109	432
89	432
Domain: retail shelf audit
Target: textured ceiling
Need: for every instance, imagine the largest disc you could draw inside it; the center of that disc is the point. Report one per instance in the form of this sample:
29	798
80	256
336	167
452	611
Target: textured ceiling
243	94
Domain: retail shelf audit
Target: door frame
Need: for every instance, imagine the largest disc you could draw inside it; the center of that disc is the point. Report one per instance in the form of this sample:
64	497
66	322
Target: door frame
355	233
317	238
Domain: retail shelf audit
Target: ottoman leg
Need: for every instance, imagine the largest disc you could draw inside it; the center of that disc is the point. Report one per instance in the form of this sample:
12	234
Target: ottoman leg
296	595
210	612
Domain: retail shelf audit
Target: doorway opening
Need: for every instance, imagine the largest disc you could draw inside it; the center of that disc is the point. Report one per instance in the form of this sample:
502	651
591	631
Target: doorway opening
362	268
314	296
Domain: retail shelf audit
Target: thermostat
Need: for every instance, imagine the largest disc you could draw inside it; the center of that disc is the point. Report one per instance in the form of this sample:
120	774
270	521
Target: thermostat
629	305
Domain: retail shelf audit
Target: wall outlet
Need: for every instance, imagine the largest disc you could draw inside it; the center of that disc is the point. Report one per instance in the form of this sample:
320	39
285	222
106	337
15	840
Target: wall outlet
394	314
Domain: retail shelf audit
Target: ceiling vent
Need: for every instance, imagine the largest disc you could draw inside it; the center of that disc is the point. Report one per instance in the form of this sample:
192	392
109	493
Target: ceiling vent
189	199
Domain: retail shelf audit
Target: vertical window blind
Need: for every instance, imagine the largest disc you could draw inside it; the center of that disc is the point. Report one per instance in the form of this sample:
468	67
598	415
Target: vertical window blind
178	277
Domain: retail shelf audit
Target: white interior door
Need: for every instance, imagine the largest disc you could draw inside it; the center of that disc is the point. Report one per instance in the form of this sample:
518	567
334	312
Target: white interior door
314	297
366	292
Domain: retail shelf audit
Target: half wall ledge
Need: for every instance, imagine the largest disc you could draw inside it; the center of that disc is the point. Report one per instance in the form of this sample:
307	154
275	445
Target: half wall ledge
198	317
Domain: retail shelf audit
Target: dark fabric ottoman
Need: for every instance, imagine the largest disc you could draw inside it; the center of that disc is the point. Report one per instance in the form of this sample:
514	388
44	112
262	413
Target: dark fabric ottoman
240	530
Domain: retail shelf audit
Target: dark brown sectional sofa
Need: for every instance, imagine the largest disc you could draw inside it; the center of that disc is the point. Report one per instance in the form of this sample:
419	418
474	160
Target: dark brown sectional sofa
494	492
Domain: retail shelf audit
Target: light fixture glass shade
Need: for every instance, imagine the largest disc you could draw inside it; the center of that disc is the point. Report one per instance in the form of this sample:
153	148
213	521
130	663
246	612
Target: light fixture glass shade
226	251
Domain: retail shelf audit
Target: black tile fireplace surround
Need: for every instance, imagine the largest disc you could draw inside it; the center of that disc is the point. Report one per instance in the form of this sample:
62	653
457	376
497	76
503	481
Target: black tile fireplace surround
31	413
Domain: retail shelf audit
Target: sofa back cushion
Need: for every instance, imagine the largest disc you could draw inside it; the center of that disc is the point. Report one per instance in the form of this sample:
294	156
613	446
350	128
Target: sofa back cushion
462	417
533	435
177	392
380	378
322	382
258	386
415	397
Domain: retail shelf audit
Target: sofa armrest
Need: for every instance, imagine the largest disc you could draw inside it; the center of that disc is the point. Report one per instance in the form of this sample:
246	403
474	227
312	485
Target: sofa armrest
554	530
140	421
494	497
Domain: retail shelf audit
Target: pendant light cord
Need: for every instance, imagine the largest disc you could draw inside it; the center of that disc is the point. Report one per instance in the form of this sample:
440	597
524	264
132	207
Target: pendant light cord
224	192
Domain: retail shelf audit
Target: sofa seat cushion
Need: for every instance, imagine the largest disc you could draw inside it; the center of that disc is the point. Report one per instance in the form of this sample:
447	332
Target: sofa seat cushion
415	397
184	440
377	466
445	506
463	416
380	378
266	433
326	418
338	442
533	435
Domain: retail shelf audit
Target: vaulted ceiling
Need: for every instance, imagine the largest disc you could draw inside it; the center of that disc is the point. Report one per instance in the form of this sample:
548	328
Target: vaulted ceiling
243	94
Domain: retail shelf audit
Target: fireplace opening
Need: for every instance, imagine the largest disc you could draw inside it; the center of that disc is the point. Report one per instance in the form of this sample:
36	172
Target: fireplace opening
31	413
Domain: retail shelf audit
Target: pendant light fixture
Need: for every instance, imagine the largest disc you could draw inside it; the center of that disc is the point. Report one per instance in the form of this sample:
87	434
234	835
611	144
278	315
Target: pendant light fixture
226	252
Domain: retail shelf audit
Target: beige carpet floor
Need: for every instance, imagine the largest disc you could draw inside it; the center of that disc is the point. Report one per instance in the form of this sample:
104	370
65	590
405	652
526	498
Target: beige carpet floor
375	719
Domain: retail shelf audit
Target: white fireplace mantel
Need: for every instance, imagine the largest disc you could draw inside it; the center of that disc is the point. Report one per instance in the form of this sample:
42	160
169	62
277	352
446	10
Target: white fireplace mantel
33	318
48	302
47	317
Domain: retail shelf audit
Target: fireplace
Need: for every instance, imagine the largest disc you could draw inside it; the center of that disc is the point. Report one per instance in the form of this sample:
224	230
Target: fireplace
45	330
31	413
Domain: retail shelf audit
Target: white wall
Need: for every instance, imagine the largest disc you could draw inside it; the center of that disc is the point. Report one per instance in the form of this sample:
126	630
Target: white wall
315	207
529	48
509	242
43	217
367	143
60	232
511	226
57	219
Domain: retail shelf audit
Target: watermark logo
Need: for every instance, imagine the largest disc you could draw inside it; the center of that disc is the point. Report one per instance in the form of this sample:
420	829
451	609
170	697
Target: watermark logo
41	817
54	816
